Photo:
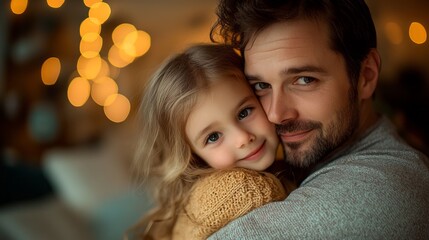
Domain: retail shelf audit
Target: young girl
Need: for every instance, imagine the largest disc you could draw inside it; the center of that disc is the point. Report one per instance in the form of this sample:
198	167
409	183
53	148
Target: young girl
204	141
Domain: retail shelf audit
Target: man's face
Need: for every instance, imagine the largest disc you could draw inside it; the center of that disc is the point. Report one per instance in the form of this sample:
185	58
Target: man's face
303	87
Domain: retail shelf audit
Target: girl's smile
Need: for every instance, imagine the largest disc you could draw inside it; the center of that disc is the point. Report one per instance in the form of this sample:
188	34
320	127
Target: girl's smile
256	153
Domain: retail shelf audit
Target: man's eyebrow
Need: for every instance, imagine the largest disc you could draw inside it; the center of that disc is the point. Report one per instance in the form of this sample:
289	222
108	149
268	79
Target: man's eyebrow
308	68
251	78
290	71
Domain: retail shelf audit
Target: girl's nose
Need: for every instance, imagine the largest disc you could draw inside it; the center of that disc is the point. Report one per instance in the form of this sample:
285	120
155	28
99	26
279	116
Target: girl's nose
243	137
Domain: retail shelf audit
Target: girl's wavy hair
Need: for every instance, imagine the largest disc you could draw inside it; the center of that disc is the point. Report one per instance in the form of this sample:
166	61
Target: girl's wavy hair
164	161
352	30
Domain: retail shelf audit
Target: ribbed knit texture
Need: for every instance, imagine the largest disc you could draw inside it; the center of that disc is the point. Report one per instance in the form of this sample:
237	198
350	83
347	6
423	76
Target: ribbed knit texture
223	196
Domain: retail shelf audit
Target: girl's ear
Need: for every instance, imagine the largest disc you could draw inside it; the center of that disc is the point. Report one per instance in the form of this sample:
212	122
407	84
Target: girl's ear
369	75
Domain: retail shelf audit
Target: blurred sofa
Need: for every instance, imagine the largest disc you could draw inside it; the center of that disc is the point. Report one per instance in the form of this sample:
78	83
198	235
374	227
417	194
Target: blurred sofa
94	199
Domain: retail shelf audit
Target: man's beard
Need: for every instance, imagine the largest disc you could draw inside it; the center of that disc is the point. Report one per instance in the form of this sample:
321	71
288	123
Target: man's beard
327	140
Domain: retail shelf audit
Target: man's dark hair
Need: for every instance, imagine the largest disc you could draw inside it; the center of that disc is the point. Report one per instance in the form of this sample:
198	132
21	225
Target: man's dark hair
352	30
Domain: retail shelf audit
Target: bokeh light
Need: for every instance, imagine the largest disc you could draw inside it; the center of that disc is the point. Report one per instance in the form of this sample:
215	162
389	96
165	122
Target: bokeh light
102	88
104	70
393	33
89	68
118	58
99	12
121	32
117	108
136	43
142	43
78	91
94	76
89	3
417	33
90	45
55	3
18	6
50	70
88	26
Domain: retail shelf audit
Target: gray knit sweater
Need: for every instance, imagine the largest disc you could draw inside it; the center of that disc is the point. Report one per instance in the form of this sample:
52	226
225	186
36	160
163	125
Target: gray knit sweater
376	189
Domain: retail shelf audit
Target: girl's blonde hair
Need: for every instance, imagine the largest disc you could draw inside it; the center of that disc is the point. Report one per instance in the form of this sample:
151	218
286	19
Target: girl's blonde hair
164	161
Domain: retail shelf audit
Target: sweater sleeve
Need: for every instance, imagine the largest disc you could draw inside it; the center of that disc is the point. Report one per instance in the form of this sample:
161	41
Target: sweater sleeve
222	196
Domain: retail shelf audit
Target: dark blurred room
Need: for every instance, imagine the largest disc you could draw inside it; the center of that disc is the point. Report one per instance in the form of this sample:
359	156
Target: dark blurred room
71	75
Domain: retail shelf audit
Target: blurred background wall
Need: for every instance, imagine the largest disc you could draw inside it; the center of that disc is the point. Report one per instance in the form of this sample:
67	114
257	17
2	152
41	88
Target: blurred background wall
71	75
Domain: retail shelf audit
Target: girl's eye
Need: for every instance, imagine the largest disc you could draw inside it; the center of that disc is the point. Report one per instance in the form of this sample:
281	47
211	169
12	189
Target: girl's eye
304	80
260	86
244	113
212	138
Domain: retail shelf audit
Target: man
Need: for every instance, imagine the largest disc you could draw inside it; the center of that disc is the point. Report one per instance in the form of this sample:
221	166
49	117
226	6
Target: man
314	66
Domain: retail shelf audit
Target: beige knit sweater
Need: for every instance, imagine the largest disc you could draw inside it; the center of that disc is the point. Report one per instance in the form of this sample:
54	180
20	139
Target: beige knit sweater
222	196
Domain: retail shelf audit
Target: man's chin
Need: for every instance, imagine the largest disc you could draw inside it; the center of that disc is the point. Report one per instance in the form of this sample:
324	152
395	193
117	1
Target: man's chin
303	155
298	162
296	156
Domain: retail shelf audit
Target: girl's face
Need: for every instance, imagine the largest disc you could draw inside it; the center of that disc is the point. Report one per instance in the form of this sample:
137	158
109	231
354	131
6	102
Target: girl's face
228	127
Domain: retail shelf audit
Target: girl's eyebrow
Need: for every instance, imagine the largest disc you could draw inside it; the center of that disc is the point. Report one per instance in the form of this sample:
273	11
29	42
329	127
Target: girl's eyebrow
207	129
203	132
245	99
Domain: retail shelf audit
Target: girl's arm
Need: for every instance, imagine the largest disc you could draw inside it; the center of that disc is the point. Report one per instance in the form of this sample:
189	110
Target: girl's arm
220	197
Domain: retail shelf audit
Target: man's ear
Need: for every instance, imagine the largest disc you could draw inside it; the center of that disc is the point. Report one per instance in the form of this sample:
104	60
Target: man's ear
368	78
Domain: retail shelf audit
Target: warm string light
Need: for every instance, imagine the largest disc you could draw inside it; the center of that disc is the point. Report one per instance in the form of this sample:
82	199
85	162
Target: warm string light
78	91
416	32
18	6
131	43
102	88
128	44
393	33
89	3
96	75
50	71
99	12
55	3
117	108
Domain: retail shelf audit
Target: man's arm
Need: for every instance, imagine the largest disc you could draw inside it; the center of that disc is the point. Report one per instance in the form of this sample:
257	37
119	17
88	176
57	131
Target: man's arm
343	201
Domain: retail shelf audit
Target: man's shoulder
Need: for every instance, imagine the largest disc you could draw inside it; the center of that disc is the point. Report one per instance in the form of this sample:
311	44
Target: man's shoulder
382	145
376	168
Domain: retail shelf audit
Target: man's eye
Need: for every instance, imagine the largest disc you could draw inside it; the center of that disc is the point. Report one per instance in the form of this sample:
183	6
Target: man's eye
260	86
304	80
212	138
244	113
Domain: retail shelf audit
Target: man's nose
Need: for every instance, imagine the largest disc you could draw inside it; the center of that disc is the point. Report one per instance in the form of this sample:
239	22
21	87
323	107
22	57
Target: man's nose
281	108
